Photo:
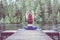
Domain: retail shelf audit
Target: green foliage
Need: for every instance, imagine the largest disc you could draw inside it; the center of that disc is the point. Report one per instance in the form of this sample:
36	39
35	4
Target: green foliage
58	17
23	5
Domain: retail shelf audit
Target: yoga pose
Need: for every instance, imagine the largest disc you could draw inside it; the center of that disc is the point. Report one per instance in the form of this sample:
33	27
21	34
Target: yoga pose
30	16
30	19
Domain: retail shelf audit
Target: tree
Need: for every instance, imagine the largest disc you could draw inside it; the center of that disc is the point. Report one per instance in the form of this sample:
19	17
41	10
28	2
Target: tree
54	14
42	12
49	12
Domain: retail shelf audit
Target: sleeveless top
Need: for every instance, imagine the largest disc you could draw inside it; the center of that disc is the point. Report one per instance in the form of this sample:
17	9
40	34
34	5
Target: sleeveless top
30	17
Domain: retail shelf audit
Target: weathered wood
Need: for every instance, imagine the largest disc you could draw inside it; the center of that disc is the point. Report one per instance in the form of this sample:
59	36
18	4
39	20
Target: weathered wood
29	35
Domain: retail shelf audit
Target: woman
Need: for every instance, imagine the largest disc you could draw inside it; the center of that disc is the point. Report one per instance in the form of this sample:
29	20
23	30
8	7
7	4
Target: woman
30	19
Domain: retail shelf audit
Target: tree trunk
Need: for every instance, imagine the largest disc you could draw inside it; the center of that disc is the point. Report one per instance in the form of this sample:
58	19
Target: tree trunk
55	12
19	14
42	15
49	7
2	16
